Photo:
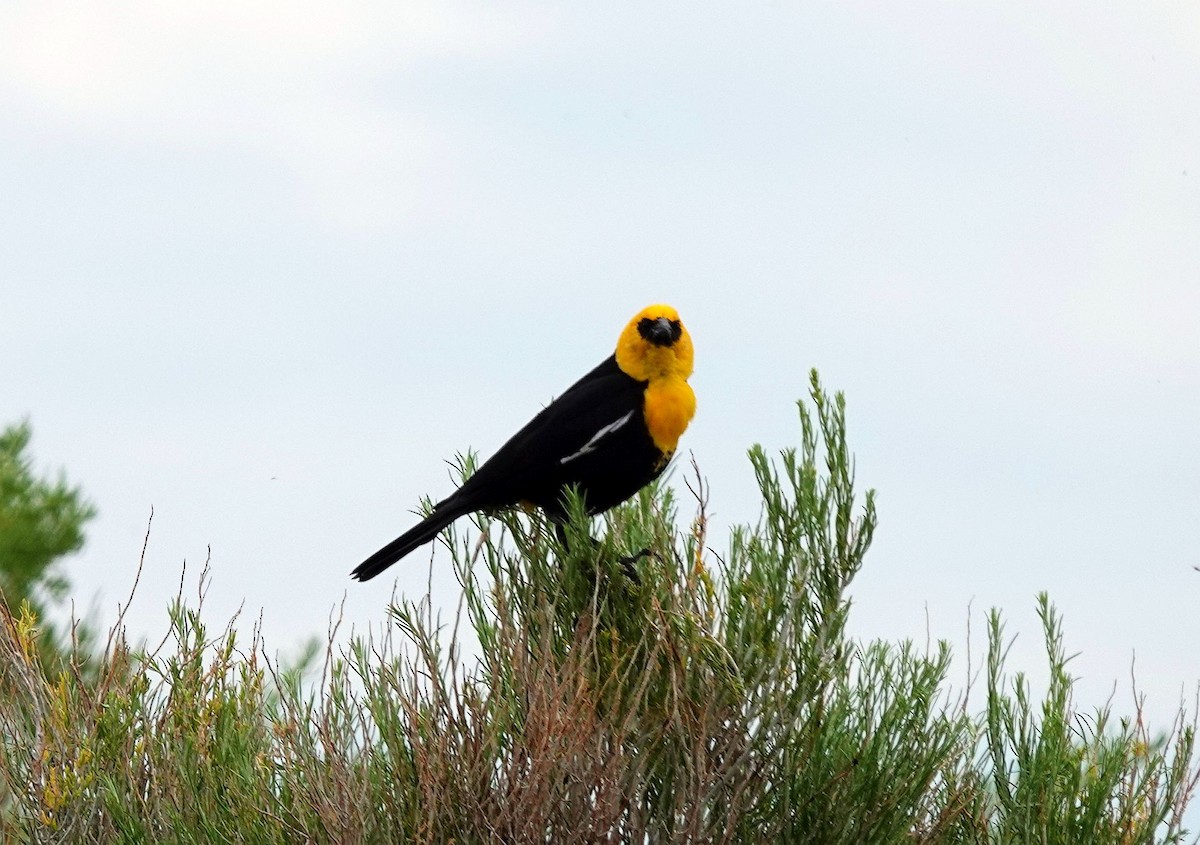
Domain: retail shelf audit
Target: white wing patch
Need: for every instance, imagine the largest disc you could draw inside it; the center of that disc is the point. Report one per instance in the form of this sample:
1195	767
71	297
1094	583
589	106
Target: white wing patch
591	445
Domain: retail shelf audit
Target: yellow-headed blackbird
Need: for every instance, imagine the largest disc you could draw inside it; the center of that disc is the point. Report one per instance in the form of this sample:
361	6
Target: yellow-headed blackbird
609	435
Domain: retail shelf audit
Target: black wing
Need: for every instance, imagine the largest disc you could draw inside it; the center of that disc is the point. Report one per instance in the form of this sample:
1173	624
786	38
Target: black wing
593	436
574	440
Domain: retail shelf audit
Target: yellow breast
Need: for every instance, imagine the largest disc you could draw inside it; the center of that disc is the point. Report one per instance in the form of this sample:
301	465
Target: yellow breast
670	405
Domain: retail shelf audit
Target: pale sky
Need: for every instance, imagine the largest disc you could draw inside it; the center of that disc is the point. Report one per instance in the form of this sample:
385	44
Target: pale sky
267	266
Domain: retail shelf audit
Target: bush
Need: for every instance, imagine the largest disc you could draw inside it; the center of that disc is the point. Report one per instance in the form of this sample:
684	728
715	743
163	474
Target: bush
41	521
694	699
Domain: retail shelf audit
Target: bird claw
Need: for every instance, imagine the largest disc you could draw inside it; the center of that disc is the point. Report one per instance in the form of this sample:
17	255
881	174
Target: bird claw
626	561
627	565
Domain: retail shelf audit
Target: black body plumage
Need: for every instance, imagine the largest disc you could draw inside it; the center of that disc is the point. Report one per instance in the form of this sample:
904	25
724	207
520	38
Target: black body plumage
557	448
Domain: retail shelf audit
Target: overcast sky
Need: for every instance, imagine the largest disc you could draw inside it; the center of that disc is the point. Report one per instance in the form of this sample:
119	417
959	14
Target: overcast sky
267	266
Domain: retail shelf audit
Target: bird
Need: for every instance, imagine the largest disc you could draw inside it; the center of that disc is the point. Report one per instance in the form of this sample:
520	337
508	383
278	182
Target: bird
608	435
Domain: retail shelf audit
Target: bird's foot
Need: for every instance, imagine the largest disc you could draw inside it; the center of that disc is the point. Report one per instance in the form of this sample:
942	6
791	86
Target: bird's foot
627	565
626	561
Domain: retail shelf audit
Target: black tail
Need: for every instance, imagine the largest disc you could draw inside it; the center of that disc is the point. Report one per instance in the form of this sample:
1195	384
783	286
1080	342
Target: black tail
421	533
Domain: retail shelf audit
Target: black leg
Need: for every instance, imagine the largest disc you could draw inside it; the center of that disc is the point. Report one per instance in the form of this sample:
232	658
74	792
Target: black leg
627	565
627	561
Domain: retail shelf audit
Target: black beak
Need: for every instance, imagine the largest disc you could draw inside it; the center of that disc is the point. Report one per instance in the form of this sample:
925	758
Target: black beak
660	332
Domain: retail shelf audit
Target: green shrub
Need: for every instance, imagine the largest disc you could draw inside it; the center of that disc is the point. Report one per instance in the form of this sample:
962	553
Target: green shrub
689	698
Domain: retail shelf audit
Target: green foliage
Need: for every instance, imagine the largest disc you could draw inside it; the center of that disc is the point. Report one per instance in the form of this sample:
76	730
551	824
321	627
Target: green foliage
683	698
1066	778
41	521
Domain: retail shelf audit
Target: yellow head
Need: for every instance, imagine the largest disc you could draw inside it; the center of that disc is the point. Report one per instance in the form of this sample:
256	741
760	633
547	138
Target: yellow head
657	349
655	345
